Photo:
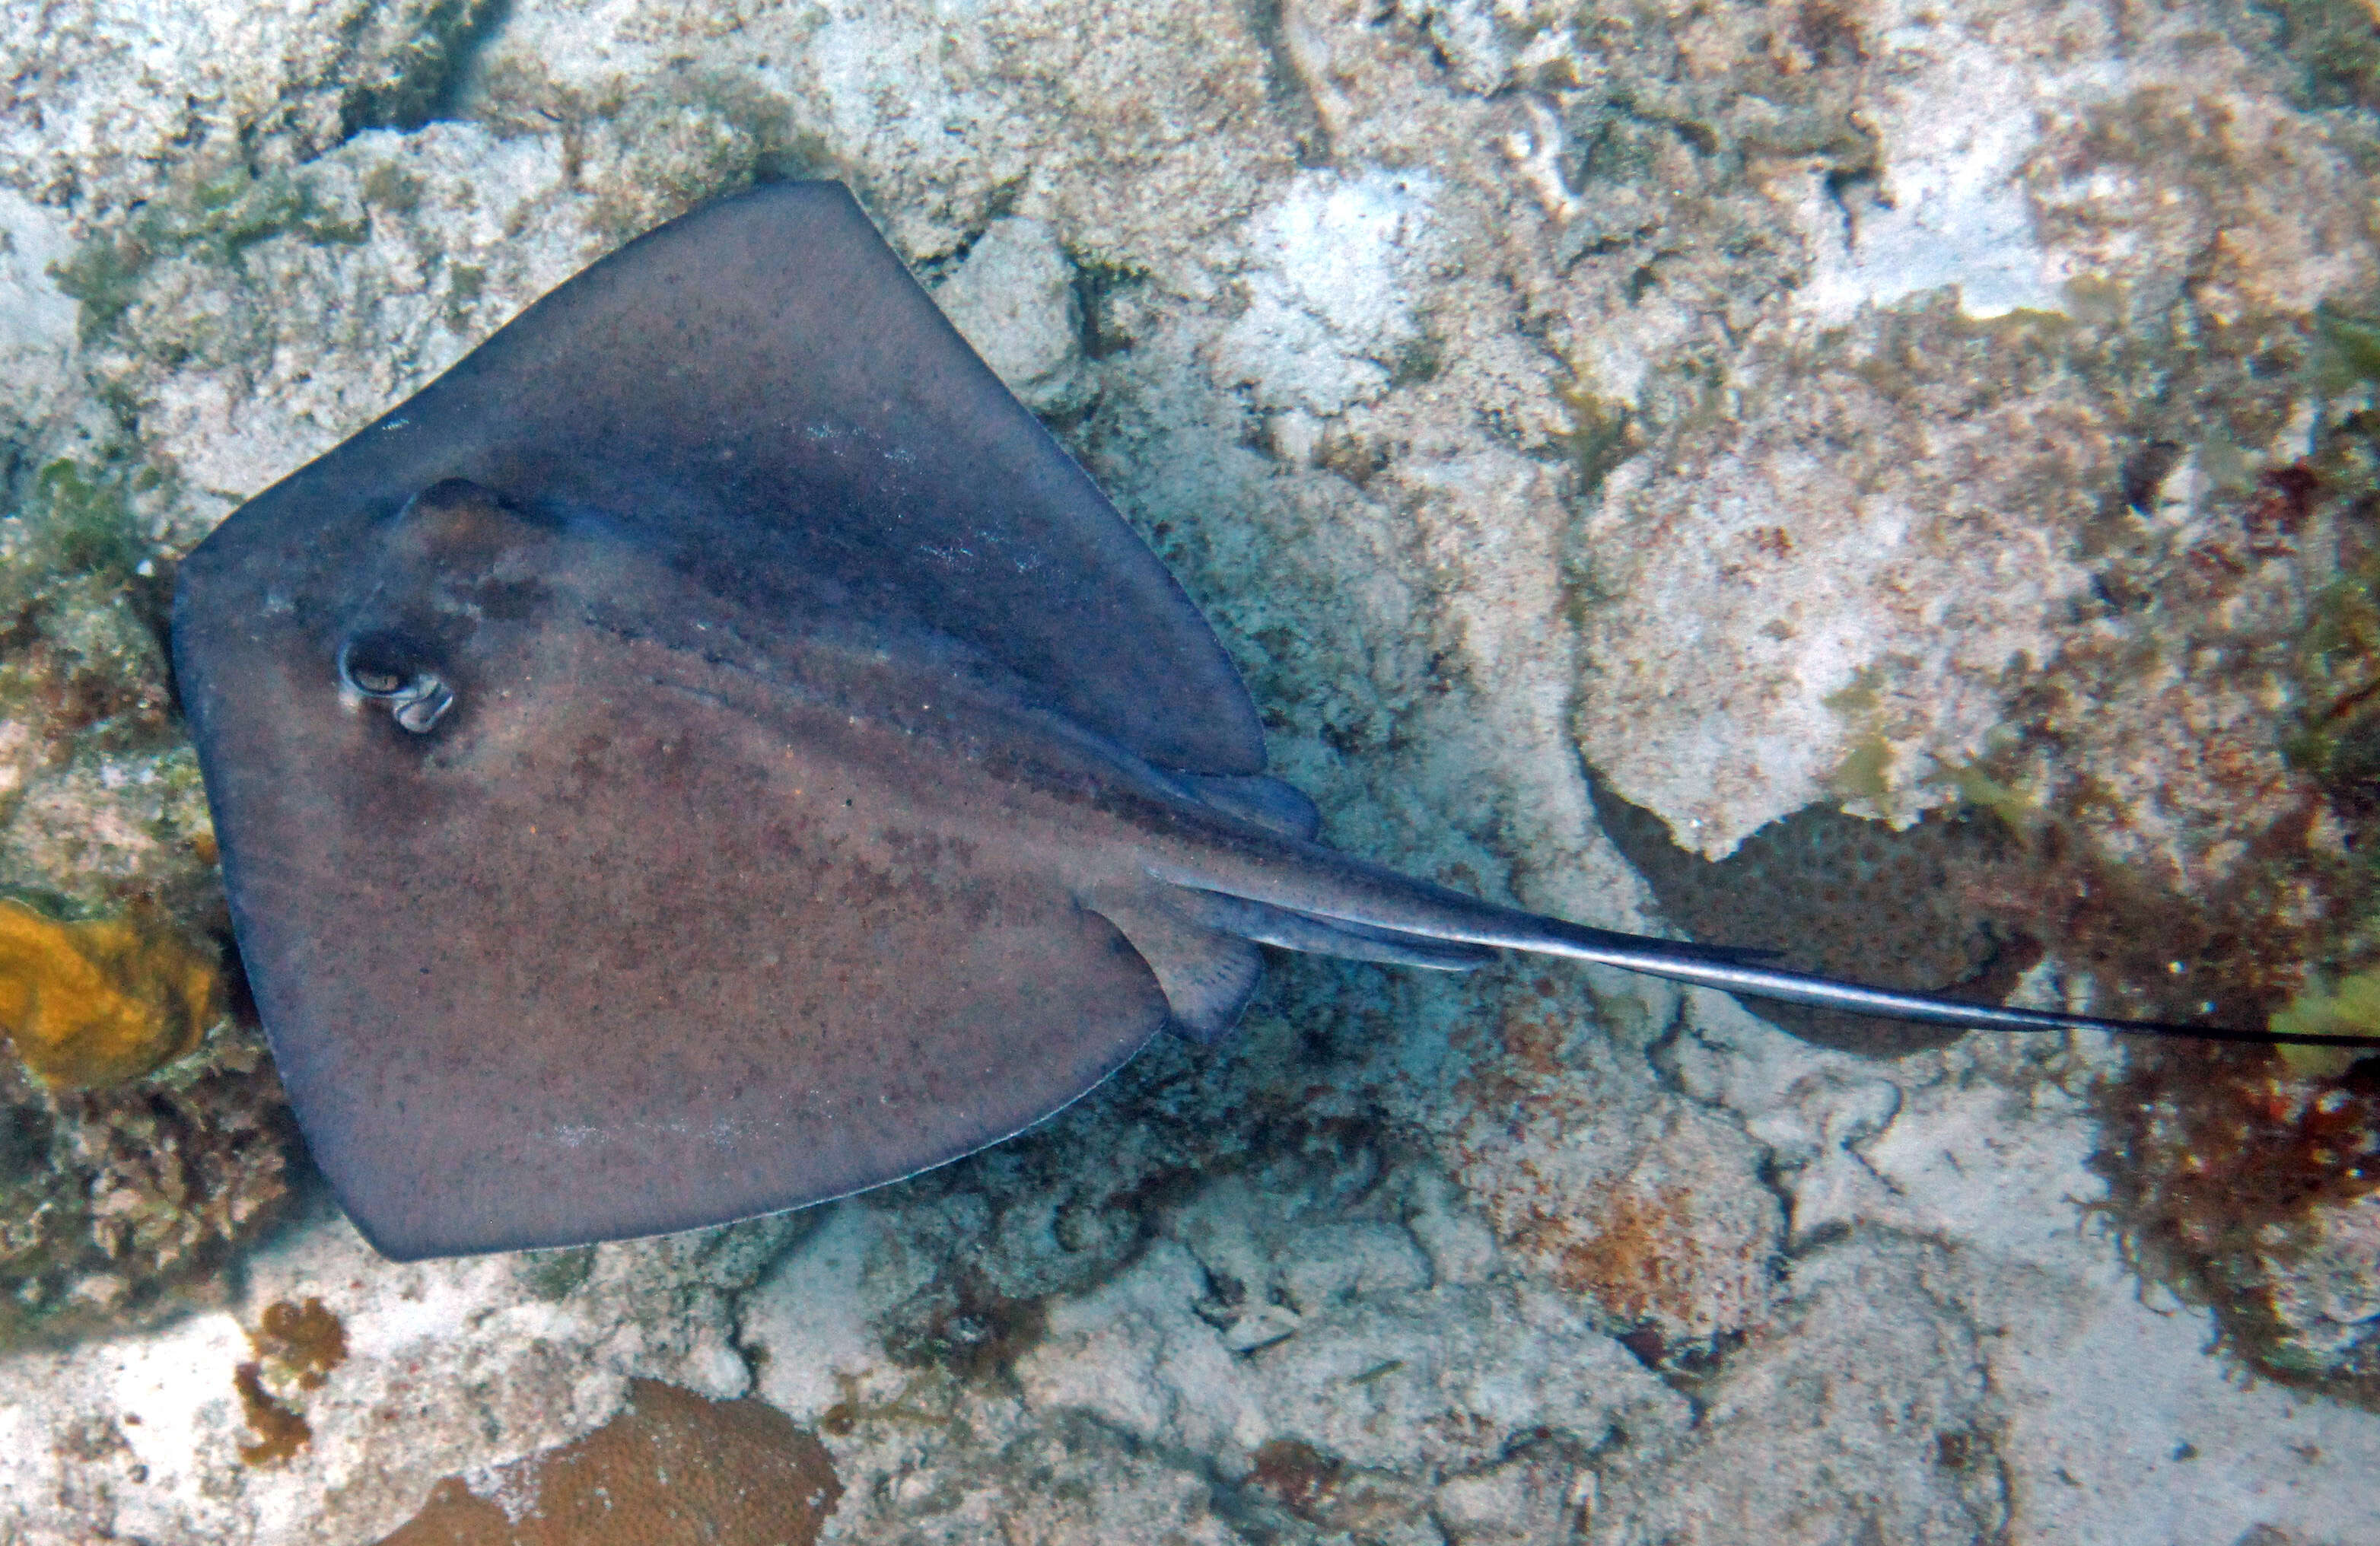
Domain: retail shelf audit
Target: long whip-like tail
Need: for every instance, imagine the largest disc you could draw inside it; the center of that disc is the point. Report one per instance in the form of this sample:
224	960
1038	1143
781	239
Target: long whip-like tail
1331	903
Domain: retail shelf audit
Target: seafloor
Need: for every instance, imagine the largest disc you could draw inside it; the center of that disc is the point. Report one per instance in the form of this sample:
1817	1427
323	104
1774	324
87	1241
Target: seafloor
1895	482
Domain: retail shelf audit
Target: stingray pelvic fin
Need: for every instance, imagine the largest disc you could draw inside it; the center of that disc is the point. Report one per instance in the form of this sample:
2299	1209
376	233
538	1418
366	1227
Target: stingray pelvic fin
1268	802
1207	975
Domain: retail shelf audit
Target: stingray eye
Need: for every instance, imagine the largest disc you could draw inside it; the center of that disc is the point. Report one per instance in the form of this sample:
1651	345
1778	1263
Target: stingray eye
388	668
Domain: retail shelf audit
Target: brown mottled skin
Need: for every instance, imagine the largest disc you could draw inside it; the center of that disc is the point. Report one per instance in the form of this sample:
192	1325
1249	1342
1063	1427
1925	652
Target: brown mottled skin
712	751
823	809
650	930
903	867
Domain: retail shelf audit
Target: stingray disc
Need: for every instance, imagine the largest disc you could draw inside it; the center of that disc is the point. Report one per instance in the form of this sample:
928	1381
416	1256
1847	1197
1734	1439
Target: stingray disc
575	900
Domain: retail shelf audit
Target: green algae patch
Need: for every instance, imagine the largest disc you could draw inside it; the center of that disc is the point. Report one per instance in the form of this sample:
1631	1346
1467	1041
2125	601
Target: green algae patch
76	525
2335	736
2349	352
1603	435
2349	1008
94	1004
551	1276
216	220
1862	775
2334	43
84	520
2015	807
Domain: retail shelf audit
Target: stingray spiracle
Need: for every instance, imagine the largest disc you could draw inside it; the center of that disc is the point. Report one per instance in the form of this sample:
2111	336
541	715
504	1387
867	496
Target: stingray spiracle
390	669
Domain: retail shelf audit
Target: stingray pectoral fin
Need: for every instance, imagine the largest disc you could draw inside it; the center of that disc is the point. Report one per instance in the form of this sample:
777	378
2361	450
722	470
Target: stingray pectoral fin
505	1104
609	964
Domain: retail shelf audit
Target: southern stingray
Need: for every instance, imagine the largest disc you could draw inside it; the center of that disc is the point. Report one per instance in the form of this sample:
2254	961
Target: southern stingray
712	751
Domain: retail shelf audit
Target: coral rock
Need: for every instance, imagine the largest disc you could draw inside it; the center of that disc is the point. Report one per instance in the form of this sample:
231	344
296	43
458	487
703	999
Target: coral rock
672	1467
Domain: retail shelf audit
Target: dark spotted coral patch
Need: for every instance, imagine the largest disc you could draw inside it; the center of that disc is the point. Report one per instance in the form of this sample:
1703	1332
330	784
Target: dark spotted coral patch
1832	894
672	1469
2229	1170
2192	788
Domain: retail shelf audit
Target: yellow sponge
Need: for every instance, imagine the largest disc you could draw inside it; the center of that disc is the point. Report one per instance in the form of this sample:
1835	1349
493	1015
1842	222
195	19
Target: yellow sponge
95	1003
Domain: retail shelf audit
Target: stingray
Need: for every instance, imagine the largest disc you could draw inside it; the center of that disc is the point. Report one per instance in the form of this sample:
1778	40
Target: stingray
712	751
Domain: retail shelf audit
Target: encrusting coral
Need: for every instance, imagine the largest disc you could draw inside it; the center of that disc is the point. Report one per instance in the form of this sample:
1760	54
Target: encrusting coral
672	1469
1833	893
